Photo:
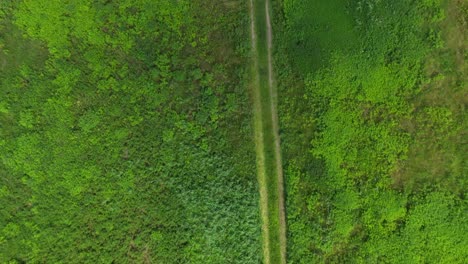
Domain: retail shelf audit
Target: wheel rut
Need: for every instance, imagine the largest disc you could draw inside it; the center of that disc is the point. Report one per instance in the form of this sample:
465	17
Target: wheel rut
266	129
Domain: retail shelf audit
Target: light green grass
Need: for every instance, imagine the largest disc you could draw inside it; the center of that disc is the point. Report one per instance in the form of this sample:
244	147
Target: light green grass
269	173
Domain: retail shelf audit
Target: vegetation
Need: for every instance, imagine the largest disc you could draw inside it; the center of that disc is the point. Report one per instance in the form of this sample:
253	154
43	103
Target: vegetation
269	172
374	130
126	133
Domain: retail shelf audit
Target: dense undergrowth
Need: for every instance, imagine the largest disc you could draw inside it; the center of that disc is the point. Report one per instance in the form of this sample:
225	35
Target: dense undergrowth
372	111
126	133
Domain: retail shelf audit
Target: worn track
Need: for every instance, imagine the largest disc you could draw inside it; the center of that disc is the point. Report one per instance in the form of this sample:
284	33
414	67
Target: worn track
269	164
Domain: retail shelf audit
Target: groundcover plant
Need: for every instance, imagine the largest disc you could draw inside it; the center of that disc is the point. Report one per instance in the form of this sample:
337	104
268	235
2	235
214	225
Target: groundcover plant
233	131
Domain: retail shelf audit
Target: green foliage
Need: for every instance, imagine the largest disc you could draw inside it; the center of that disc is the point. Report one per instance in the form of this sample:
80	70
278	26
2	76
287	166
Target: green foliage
125	133
377	184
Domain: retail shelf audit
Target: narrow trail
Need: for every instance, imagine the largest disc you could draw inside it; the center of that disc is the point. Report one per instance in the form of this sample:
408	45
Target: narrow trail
274	117
259	142
267	141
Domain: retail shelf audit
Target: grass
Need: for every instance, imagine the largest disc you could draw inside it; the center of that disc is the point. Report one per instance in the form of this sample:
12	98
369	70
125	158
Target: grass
268	164
177	187
317	27
376	91
440	160
13	47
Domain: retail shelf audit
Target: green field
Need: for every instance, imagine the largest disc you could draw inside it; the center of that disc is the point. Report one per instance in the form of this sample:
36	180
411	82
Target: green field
372	111
156	131
126	133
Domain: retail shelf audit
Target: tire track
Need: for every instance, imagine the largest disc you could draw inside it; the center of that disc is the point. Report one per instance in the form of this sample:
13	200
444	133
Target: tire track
267	141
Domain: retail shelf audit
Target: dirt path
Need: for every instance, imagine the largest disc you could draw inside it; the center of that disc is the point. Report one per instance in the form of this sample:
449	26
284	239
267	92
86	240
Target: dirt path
274	117
269	164
260	160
